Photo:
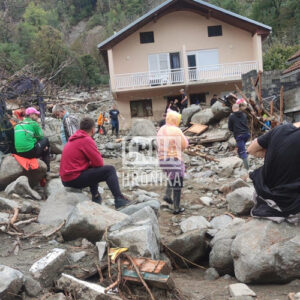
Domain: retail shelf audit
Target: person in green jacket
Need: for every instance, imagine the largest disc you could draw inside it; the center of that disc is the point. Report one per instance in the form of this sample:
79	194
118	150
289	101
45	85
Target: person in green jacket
29	138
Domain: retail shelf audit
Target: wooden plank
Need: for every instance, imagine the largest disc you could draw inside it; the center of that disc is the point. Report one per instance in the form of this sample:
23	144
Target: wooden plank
272	108
197	129
281	104
149	265
158	280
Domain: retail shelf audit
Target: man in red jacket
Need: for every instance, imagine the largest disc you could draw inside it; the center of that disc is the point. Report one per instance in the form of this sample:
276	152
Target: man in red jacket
82	165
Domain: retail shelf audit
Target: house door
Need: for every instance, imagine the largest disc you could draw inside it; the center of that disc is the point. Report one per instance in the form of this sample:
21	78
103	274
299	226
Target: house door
192	67
176	73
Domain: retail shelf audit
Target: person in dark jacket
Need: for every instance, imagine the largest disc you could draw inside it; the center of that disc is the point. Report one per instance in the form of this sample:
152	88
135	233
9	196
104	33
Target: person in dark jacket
82	165
238	124
277	182
213	100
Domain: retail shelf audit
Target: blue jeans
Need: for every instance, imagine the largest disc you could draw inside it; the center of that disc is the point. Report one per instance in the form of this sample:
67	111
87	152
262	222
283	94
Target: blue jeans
115	126
241	141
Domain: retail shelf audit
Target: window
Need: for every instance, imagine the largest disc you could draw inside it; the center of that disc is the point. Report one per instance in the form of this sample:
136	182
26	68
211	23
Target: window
141	108
146	37
214	30
203	58
198	98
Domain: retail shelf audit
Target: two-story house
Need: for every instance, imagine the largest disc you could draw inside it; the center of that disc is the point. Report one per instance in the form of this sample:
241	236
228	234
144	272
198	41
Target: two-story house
188	44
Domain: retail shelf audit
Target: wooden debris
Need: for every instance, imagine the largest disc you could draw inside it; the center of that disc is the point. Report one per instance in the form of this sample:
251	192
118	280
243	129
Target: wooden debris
158	280
15	216
56	230
149	265
195	150
140	276
291	296
196	129
281	104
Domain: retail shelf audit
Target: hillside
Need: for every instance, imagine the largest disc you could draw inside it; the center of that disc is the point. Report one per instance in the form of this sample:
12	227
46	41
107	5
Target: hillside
58	38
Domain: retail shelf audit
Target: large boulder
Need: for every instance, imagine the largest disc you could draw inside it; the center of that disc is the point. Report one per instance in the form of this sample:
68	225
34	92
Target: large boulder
194	222
89	220
59	205
139	232
53	186
204	117
192	245
25	206
10	170
21	187
52	131
188	113
240	201
220	256
266	252
142	127
227	165
11	282
219	111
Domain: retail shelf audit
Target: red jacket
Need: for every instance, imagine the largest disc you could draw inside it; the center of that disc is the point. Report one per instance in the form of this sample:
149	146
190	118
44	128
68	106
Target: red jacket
79	154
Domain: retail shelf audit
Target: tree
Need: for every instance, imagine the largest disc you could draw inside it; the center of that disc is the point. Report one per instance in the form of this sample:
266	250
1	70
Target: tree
11	57
276	56
50	52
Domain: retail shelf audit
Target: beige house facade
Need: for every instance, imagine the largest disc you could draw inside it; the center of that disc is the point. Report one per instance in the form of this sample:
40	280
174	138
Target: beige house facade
181	44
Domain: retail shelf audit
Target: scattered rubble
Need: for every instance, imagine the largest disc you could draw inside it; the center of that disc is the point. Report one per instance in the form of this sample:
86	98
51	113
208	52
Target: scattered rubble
70	238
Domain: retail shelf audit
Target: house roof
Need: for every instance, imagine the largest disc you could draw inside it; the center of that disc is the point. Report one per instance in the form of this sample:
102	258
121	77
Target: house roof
198	6
295	66
296	55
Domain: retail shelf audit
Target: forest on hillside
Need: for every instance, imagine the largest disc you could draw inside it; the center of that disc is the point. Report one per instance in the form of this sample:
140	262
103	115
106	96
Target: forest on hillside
57	38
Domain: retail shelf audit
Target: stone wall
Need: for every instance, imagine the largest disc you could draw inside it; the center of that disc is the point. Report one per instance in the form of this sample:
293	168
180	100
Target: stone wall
270	83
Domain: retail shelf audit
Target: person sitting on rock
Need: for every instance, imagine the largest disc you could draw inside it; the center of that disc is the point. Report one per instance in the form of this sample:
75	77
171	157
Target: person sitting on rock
238	124
29	138
171	142
69	124
82	165
277	182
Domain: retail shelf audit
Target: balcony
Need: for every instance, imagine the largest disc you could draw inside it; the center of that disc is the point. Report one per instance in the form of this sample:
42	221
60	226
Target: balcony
193	75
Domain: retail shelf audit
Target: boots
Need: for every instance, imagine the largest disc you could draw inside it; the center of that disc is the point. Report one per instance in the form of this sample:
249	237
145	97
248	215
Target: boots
246	164
168	194
176	199
97	198
121	202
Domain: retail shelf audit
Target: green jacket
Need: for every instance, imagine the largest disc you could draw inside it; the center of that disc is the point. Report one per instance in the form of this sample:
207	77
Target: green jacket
27	133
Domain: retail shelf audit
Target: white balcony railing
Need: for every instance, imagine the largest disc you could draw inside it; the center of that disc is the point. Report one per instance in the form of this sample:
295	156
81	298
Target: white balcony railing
148	79
208	73
219	72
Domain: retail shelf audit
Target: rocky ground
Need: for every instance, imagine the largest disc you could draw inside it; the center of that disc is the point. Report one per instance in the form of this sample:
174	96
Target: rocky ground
50	231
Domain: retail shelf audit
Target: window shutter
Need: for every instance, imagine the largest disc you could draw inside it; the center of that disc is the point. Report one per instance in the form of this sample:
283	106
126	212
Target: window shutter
207	57
164	61
153	62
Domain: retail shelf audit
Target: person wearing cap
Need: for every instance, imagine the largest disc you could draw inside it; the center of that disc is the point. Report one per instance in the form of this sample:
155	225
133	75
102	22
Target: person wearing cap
238	124
29	138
